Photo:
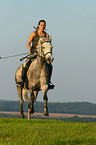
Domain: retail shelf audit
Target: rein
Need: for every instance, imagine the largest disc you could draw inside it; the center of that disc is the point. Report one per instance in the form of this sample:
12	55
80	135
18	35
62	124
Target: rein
38	54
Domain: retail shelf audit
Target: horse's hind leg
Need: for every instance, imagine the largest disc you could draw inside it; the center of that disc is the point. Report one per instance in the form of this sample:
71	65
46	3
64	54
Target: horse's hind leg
19	91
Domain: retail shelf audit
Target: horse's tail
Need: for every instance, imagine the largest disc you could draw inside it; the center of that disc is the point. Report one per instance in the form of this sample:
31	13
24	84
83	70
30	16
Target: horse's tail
25	94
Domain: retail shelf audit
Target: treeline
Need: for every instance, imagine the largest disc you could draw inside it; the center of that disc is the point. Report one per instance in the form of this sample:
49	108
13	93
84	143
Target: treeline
84	108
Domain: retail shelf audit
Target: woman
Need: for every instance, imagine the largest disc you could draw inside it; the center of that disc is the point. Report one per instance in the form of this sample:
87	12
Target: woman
34	37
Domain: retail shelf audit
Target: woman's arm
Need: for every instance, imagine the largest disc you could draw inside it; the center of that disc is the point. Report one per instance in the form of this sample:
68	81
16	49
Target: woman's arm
30	40
47	36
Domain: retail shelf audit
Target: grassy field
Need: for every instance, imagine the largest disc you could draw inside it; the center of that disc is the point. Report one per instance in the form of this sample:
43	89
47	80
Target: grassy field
46	132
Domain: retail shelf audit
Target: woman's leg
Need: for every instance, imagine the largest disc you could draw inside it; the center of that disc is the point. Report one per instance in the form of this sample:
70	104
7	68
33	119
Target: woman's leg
50	68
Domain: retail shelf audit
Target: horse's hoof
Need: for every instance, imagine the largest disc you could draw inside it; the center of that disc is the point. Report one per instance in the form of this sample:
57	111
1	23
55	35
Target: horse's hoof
46	114
22	116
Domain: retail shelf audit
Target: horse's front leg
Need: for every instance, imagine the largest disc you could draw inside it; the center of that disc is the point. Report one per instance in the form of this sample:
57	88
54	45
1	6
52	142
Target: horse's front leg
45	104
31	105
35	95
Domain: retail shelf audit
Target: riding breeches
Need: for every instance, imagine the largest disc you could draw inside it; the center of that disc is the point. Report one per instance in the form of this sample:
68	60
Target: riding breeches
28	60
50	68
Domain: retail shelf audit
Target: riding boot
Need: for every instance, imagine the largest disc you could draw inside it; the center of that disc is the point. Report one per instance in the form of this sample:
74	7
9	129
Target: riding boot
51	85
24	72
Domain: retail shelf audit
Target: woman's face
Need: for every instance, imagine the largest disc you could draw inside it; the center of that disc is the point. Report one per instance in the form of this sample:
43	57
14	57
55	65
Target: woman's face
42	26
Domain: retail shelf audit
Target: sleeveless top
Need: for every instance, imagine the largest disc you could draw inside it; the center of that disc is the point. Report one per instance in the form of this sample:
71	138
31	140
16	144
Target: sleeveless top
36	39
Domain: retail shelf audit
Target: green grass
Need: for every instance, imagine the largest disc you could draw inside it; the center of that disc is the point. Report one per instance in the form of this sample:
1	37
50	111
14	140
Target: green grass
46	132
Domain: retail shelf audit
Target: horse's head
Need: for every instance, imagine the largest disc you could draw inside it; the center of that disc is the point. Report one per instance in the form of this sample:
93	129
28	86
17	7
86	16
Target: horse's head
46	49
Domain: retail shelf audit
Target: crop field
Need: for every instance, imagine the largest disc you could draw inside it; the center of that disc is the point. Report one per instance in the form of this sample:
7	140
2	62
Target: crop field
46	132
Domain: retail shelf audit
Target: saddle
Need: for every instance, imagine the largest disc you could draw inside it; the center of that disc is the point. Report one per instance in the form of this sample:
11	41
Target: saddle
24	81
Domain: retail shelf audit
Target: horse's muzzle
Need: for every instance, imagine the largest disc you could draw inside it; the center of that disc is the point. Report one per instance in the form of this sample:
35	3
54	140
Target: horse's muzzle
50	60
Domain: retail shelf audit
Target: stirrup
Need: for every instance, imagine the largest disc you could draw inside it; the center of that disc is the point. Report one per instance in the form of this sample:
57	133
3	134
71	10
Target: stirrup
51	86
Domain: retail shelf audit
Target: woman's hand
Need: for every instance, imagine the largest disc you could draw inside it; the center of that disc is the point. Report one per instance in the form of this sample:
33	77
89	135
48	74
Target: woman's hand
31	51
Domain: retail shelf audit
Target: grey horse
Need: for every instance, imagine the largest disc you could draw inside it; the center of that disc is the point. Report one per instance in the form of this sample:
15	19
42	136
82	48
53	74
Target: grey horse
37	77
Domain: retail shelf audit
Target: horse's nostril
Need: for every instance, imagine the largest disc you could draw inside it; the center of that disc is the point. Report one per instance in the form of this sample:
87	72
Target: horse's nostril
48	59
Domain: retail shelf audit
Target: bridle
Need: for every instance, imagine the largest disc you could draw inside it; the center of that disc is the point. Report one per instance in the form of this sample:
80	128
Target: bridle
50	52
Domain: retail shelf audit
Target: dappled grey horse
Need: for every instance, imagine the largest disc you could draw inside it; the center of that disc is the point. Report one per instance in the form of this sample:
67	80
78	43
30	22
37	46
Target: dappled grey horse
37	77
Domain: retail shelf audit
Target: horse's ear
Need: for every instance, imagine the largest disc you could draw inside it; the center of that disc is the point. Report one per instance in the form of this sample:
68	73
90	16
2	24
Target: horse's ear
41	40
50	38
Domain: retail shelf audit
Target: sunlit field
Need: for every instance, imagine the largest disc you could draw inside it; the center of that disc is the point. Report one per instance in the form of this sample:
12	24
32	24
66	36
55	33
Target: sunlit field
46	132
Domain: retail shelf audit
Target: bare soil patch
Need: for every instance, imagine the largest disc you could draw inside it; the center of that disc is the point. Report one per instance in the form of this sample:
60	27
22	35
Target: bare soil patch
51	115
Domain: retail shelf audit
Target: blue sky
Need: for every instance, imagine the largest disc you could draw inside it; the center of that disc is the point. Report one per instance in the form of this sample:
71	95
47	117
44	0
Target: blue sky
72	25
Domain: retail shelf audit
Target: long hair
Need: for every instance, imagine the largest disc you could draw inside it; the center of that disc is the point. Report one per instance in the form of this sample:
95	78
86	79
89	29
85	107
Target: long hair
42	21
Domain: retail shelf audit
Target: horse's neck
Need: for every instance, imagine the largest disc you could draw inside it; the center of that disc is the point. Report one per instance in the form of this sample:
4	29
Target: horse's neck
37	64
40	62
